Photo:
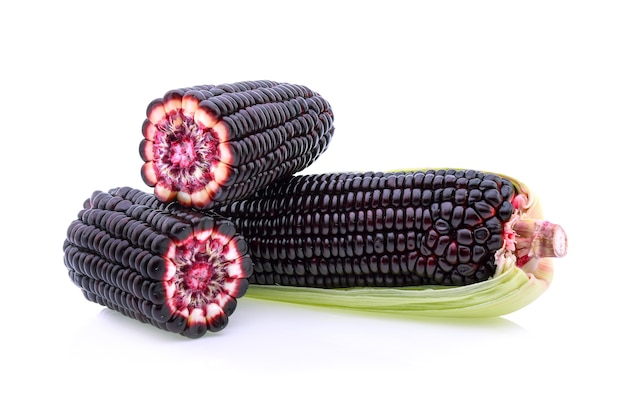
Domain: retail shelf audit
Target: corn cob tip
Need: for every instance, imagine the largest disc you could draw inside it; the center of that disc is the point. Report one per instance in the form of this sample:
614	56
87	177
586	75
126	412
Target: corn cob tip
539	239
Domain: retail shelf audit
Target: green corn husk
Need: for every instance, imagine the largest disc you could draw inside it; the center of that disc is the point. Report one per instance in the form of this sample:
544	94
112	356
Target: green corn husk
506	292
510	289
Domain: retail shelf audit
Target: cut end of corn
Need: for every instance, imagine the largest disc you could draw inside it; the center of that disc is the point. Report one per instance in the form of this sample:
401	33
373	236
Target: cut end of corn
208	144
162	264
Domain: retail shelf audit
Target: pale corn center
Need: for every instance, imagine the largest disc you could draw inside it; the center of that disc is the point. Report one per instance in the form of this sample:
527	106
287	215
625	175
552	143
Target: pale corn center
184	152
200	273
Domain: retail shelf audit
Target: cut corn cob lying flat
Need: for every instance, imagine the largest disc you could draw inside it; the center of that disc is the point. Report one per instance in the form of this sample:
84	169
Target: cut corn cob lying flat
206	145
174	268
459	243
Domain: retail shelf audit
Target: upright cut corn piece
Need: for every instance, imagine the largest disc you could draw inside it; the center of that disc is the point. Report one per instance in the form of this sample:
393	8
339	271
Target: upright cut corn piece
439	242
206	145
176	269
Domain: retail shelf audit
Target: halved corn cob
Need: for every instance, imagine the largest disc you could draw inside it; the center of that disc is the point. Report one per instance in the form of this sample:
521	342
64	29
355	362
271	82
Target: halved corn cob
177	269
208	144
416	229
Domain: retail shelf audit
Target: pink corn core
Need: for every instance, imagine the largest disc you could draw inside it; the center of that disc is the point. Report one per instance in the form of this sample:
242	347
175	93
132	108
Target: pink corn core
536	238
201	272
184	153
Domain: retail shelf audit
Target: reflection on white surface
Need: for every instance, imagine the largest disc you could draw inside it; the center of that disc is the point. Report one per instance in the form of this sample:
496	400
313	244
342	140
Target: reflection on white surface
332	337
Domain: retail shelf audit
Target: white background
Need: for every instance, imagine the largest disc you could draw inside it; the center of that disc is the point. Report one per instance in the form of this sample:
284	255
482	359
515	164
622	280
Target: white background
533	89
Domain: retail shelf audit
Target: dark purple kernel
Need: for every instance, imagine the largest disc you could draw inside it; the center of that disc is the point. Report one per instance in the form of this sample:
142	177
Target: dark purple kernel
431	266
438	181
177	324
470	174
442	244
358	245
481	275
379	219
487	184
122	246
466	269
451	253
370	225
446	210
493	196
449	179
505	211
431	238
427	221
398	222
317	248
437	194
464	254
473	183
384	266
400	244
379	243
412	241
495	178
460	196
386	197
481	235
494	225
471	217
495	243
457	216
478	253
405	200
409	219
427	197
507	190
442	226
416	196
484	209
447	194
428	179
389	218
409	180
418	218
395	265
435	211
361	221
457	279
195	330
418	179
445	265
464	236
391	244
475	195
439	277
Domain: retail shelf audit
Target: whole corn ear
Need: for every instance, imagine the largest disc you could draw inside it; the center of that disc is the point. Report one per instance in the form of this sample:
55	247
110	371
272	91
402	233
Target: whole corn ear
179	270
460	243
207	144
